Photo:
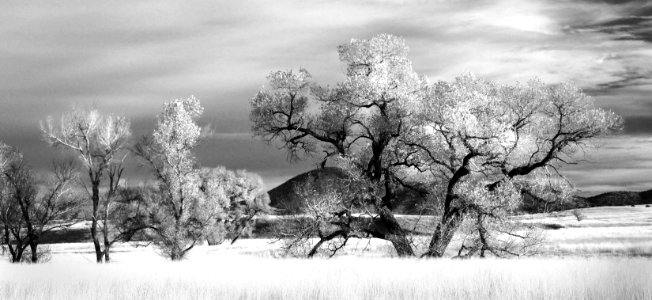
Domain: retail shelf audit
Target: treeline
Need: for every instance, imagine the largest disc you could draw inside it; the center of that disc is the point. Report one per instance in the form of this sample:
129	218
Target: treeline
188	204
470	147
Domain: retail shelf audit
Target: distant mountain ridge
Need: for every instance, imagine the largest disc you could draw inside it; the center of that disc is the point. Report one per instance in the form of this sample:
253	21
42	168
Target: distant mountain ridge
287	199
620	198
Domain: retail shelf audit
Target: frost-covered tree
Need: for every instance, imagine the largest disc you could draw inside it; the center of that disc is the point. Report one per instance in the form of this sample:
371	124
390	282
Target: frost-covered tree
470	147
361	119
30	207
486	144
179	215
240	196
189	204
99	141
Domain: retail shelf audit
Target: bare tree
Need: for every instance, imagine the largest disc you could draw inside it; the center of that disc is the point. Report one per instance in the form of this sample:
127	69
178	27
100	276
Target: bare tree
109	207
98	140
470	146
27	211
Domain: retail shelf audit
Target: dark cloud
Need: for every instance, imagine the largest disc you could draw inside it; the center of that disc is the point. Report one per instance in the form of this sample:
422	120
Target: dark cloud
638	125
632	21
630	77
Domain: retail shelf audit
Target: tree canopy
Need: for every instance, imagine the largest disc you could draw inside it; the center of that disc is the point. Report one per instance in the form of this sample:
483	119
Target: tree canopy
470	146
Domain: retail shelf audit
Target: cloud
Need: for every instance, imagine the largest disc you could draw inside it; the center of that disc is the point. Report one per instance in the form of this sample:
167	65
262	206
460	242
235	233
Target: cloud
129	57
618	163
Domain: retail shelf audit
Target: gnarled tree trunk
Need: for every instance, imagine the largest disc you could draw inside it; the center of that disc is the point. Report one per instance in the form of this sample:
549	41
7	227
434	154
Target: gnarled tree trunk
394	232
443	234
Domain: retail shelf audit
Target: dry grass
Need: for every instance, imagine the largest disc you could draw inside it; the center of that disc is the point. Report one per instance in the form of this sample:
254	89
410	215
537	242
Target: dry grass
612	231
216	277
249	269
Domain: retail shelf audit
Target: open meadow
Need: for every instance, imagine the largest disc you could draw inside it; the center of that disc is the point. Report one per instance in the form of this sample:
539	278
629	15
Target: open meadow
604	256
379	149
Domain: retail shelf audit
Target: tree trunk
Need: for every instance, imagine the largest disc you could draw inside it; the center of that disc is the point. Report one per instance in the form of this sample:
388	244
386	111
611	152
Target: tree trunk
17	256
11	248
107	247
176	254
395	233
444	234
105	233
17	253
32	247
96	202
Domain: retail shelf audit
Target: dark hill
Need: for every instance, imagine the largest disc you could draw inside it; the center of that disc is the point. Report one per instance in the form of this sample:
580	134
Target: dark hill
286	197
620	198
287	200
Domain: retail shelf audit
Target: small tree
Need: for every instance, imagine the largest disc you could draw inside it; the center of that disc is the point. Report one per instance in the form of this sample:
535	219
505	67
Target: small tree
99	140
189	204
28	211
240	196
180	216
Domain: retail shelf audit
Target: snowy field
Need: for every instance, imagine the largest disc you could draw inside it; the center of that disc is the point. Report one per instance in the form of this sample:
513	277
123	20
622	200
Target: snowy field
607	255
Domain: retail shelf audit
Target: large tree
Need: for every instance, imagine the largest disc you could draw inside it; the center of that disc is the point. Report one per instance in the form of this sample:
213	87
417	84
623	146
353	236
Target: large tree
361	119
99	141
487	144
470	147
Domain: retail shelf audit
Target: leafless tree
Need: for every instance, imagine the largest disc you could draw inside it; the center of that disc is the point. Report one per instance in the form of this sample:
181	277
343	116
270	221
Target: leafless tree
29	209
98	140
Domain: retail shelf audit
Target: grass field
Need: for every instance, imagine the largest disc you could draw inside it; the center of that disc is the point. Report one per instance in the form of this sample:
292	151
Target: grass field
341	278
604	256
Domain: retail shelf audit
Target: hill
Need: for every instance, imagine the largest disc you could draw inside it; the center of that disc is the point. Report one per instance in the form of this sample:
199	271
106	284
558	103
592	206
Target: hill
620	198
287	199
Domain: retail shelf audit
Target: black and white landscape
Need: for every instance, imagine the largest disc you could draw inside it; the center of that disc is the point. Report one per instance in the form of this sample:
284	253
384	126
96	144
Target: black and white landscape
326	150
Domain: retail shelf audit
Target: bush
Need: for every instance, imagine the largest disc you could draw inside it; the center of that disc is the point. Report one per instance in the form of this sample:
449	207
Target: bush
578	214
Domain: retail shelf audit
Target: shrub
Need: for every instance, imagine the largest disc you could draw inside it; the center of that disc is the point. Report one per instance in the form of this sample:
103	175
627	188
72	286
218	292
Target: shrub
578	214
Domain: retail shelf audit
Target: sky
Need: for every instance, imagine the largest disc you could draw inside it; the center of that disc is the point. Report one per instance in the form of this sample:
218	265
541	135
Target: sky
129	57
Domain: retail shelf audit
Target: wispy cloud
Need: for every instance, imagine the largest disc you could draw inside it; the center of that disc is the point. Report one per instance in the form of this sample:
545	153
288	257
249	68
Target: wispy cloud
129	57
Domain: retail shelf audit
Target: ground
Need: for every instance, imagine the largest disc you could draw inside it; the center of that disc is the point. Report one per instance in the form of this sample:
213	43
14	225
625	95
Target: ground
606	255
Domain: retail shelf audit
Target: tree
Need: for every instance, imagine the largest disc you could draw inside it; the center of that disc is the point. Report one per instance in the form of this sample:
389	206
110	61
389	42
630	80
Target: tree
189	204
487	144
99	141
179	216
361	119
28	211
471	147
240	196
113	211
